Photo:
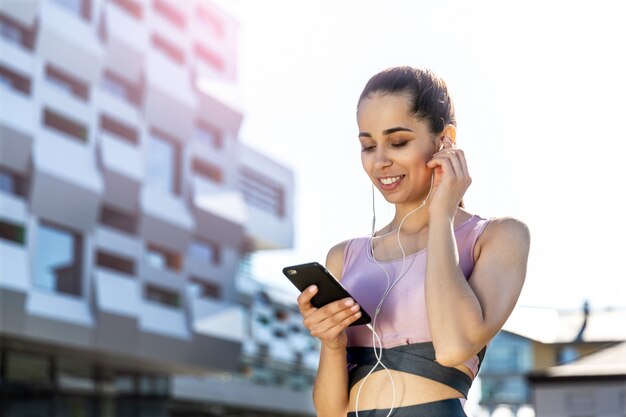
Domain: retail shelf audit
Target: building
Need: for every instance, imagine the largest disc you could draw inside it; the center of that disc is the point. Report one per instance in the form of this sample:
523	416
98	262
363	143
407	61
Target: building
126	206
538	338
594	385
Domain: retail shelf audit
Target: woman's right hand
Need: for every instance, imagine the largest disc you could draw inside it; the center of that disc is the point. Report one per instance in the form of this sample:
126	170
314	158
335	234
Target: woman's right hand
328	323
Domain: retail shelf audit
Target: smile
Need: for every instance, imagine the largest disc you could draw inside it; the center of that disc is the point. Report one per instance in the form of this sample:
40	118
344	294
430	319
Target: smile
390	180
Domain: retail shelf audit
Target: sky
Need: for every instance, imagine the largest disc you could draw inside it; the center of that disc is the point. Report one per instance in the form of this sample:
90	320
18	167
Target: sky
539	91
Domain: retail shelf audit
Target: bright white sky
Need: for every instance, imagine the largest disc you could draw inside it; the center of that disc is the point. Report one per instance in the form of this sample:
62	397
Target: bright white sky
539	89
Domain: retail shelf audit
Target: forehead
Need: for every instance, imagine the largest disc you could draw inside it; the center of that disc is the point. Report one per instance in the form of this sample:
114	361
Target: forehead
383	111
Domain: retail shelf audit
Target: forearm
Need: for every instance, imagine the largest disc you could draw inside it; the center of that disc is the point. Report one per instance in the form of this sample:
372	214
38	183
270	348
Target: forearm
330	390
455	316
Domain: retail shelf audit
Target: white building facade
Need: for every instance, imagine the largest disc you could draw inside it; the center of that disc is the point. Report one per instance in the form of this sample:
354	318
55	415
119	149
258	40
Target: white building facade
126	204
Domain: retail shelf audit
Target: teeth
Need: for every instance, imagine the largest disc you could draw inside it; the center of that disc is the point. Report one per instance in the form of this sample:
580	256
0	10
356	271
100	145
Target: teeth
388	181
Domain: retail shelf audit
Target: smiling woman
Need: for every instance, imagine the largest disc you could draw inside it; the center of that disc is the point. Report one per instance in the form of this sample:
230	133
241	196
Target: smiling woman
438	280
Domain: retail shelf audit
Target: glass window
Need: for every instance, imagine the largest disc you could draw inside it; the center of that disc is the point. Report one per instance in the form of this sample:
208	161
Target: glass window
7	184
118	219
13	80
10	31
115	85
119	129
162	296
162	258
27	367
12	232
208	135
11	183
204	251
78	7
67	83
203	289
58	260
115	262
161	157
65	125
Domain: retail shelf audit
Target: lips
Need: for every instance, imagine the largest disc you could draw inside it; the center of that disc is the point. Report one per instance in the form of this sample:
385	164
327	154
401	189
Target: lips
390	183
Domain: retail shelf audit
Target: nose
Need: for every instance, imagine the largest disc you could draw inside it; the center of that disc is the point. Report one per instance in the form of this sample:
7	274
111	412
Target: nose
381	159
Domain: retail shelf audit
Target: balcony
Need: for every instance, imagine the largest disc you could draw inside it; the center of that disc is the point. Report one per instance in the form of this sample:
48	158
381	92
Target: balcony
118	242
118	305
127	41
54	98
220	101
111	104
165	219
24	12
17	129
65	168
268	190
70	42
219	212
170	104
122	172
59	318
163	278
222	272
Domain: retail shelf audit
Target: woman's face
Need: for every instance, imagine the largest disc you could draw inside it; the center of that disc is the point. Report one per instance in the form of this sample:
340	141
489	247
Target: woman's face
395	148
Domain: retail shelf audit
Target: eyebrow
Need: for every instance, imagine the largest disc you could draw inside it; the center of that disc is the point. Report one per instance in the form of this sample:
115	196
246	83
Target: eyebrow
386	131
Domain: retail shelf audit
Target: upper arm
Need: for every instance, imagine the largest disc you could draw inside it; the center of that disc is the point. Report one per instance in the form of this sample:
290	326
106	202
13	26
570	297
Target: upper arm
334	259
499	272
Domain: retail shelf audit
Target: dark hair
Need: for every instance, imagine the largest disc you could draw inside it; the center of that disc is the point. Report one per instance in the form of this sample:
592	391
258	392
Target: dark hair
429	94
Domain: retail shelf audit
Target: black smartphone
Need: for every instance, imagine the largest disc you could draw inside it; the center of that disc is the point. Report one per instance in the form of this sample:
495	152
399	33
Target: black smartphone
329	289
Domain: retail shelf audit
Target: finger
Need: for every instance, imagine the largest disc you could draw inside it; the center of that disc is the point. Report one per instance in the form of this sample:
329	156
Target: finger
443	160
463	162
304	299
333	325
335	309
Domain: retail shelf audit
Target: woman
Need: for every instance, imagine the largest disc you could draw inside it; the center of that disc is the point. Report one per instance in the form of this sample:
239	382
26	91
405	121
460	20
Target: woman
439	281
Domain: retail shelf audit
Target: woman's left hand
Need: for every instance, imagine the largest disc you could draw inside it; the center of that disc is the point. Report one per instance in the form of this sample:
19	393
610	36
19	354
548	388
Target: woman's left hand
451	180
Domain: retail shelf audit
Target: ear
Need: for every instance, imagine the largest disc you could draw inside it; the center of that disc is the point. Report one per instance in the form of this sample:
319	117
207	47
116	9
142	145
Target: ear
449	132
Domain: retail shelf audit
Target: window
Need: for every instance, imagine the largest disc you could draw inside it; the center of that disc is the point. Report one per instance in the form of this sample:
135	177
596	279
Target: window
169	49
119	129
14	80
131	7
16	32
212	59
162	156
204	289
58	260
12	232
170	13
12	183
28	367
207	170
62	124
204	251
210	21
121	87
67	83
81	8
115	262
161	258
208	135
262	192
162	296
118	219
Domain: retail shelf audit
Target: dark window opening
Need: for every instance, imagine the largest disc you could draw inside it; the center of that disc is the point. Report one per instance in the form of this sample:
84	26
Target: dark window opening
209	57
16	32
205	289
12	232
210	21
169	12
119	129
162	296
209	135
118	219
172	51
122	87
207	170
131	7
67	82
115	262
62	124
161	258
14	80
13	183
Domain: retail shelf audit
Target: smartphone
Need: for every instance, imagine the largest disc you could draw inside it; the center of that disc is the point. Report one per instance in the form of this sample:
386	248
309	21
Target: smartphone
329	289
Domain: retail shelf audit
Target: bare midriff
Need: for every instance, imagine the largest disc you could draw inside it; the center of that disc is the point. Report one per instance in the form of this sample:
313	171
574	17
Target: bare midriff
377	393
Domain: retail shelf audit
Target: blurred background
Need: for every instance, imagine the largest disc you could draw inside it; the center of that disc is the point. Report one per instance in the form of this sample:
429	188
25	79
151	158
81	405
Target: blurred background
162	160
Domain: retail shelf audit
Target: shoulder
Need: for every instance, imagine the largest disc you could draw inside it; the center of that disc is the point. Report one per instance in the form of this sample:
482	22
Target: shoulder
334	259
506	234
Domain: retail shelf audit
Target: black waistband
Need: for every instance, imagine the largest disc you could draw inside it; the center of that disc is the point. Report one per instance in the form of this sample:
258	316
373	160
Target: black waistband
417	359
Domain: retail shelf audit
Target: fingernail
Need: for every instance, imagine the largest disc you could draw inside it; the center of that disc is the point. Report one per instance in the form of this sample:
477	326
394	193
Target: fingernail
312	288
349	302
354	307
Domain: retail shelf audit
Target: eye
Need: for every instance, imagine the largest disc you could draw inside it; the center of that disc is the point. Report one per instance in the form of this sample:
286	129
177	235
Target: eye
367	148
399	144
